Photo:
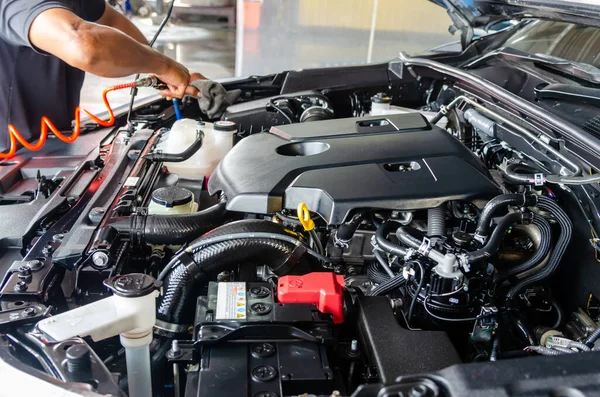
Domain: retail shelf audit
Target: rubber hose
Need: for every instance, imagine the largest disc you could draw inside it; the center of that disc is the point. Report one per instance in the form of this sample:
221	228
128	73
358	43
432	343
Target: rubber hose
413	302
375	274
177	157
436	223
493	244
346	230
545	244
564	238
388	286
386	245
383	263
171	229
495	205
181	285
520	174
521	328
406	235
590	340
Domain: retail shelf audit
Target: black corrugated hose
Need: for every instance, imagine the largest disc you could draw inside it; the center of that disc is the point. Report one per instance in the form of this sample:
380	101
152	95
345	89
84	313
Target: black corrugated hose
206	261
566	226
545	244
375	274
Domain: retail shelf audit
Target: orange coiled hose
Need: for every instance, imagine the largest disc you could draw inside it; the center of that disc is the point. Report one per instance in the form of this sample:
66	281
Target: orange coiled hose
46	125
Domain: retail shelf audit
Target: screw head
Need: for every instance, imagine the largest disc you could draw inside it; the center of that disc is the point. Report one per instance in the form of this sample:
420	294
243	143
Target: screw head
21	286
264	373
100	259
35	265
261	309
29	311
262	350
24	272
259	292
419	391
58	237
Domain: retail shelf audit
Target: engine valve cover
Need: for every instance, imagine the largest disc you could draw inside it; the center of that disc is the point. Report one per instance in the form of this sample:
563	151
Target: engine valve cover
396	162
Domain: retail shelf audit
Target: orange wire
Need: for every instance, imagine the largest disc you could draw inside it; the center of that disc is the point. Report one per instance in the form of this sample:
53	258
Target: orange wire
46	124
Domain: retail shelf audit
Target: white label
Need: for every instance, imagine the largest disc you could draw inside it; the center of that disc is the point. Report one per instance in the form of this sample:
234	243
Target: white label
231	301
557	341
131	181
538	179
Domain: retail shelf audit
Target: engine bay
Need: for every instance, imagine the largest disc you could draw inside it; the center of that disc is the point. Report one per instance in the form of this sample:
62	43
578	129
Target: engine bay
313	241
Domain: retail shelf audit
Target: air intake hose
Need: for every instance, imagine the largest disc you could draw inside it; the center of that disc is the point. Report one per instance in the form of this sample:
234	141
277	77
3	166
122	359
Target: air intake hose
497	204
493	244
206	261
171	229
436	223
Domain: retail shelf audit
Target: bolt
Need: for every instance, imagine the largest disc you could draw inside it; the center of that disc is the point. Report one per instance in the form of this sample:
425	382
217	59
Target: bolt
259	292
261	309
175	351
418	391
29	311
58	237
100	259
354	346
35	265
262	350
264	373
223	276
25	273
351	271
79	359
47	250
21	286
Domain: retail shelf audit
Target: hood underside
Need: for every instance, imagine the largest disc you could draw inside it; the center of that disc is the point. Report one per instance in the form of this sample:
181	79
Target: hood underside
480	13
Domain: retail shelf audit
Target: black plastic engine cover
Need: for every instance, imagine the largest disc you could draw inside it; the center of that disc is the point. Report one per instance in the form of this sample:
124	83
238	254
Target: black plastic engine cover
397	162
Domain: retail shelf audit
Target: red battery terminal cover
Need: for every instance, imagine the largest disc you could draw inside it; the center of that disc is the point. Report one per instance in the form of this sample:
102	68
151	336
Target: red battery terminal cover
325	290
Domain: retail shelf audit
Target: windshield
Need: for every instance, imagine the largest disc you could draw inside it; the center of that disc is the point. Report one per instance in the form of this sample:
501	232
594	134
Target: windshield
568	41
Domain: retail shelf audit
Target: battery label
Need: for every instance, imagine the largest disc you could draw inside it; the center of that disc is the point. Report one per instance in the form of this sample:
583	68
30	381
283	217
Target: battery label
231	301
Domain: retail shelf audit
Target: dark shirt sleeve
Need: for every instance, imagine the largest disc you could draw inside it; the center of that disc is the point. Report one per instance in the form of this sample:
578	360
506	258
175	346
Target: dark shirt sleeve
92	9
16	17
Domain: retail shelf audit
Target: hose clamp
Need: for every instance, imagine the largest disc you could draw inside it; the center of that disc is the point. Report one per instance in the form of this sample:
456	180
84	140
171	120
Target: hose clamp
425	247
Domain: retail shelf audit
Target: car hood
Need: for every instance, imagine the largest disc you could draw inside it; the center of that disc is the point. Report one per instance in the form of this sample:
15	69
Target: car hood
478	13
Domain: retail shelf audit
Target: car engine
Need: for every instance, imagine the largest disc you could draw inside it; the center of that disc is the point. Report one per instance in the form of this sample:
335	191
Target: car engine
311	243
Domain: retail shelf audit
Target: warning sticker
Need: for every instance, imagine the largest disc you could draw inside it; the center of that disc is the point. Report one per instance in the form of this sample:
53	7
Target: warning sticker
231	301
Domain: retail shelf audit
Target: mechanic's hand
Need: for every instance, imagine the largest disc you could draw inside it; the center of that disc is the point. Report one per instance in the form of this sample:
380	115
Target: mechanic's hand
178	79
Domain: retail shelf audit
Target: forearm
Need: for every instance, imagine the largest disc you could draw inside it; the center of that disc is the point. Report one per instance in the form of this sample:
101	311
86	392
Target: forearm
107	52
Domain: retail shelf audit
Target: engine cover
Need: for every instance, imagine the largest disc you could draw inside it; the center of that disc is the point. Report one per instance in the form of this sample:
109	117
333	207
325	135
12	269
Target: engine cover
396	162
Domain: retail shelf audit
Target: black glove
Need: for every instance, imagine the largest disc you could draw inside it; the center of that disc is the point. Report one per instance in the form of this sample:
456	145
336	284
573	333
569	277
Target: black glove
213	99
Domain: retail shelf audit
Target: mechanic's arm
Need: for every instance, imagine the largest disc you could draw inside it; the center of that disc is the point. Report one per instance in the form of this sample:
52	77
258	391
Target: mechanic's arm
115	19
104	51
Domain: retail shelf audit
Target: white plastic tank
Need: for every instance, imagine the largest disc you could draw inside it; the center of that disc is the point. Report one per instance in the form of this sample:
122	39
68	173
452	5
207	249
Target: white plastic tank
172	200
218	140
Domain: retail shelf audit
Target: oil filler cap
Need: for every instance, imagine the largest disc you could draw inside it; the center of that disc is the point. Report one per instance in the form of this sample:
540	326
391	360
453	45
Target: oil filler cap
133	285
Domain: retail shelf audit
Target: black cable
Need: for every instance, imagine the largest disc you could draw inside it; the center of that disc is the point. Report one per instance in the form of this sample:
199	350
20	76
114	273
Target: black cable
416	295
134	90
388	286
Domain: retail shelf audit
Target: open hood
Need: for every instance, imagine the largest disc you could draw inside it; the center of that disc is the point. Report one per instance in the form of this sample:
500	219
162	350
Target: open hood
479	13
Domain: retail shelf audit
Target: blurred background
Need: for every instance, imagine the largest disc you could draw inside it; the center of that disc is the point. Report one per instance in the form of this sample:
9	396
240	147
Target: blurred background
227	38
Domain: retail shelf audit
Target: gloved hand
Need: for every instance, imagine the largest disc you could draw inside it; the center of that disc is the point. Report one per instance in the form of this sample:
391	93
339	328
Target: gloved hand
213	99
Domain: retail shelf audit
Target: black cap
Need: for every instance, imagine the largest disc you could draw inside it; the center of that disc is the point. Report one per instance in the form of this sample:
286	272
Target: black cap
172	196
381	97
132	285
225	125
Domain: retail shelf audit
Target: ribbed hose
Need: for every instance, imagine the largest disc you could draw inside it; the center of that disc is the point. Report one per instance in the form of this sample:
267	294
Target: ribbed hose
375	274
493	244
388	286
180	288
384	243
436	223
497	204
545	244
590	340
171	229
566	227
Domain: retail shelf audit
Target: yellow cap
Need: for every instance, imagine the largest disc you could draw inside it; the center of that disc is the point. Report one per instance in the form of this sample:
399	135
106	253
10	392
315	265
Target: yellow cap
304	217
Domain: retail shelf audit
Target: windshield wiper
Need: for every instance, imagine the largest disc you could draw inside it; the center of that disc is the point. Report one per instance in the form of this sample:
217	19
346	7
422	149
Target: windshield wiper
580	70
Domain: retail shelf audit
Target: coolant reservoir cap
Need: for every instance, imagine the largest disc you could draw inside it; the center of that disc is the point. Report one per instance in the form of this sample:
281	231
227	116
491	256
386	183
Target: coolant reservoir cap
381	97
225	125
172	196
132	285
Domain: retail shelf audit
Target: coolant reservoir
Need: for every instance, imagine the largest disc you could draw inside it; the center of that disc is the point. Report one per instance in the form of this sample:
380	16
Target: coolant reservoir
172	200
218	140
